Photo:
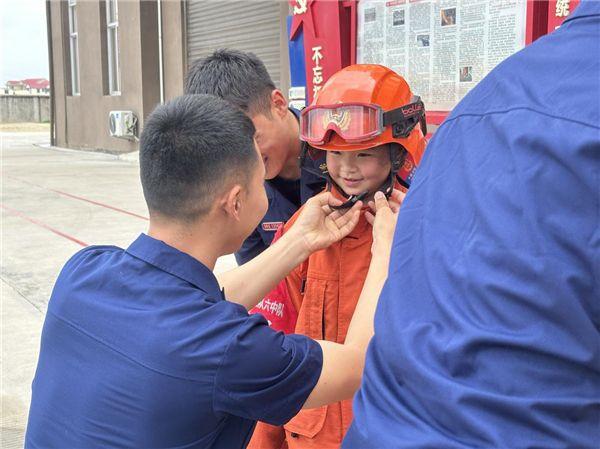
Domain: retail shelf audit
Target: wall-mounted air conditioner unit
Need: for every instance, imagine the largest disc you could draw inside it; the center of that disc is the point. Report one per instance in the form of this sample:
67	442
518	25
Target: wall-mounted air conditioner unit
122	124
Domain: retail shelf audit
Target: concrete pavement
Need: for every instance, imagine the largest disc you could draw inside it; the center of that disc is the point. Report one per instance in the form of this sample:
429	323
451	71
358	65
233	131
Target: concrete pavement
53	203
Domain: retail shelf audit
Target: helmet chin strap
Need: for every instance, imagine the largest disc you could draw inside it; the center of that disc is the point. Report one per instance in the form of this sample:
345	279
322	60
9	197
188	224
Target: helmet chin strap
352	199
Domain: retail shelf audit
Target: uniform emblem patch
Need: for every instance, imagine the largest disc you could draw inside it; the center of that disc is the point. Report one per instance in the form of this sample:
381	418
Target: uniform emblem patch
271	225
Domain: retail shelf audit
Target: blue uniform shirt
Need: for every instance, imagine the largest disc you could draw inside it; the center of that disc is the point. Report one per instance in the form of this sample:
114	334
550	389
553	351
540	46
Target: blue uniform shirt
280	210
487	331
139	349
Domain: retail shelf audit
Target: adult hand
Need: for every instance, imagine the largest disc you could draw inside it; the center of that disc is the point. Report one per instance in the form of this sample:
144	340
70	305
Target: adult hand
384	221
318	225
395	201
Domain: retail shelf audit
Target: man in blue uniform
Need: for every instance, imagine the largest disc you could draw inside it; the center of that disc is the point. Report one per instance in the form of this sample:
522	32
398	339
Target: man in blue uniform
487	331
242	79
141	349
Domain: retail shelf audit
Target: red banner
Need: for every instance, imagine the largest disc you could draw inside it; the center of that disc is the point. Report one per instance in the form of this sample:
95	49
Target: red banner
329	29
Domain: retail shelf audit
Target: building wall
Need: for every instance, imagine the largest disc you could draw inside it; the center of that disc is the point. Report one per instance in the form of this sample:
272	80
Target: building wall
57	71
174	47
82	120
24	108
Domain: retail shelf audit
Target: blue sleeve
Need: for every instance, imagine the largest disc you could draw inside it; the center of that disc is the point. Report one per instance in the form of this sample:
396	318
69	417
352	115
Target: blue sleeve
487	328
252	247
266	375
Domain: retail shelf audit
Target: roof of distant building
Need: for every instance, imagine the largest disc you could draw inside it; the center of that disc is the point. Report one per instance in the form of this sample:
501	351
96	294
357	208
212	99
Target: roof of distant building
37	83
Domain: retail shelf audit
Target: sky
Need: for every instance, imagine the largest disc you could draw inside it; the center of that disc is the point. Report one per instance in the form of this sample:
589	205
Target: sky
23	40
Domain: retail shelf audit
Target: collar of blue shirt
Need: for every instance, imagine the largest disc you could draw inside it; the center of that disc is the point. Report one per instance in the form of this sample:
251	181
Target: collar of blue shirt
175	262
585	9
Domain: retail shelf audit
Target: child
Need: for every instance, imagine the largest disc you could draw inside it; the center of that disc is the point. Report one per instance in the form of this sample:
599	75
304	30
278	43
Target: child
372	130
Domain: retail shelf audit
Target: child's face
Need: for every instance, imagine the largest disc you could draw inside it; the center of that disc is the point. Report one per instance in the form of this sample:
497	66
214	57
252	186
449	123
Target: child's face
359	171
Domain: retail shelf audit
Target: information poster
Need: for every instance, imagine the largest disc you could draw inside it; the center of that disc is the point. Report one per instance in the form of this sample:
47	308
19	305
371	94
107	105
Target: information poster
441	47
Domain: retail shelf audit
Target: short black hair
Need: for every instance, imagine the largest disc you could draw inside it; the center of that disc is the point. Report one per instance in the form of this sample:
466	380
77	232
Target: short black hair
191	148
235	76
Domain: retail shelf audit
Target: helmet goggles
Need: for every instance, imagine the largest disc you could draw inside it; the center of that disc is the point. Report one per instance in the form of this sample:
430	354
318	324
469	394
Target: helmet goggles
359	122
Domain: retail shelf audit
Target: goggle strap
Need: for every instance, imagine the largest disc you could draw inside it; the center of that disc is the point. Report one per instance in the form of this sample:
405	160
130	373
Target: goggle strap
405	118
414	109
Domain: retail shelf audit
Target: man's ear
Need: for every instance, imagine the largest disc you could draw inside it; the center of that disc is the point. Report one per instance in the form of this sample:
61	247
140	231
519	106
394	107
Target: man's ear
279	105
231	202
